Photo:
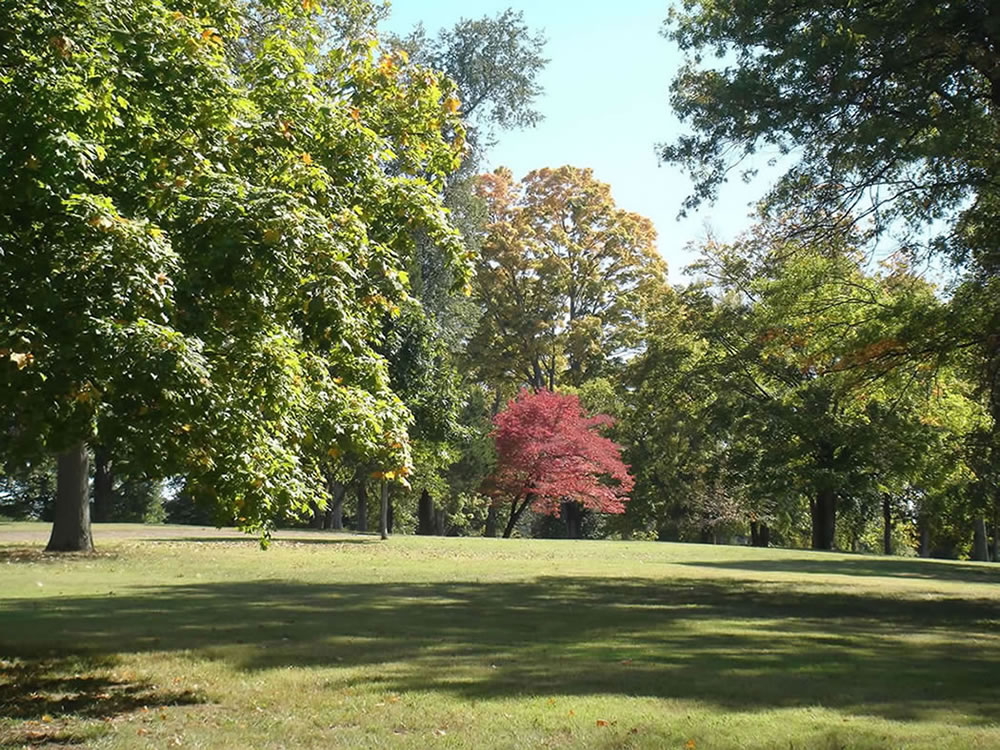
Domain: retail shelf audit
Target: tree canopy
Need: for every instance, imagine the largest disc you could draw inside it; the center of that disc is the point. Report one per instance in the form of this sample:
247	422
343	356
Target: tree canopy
549	452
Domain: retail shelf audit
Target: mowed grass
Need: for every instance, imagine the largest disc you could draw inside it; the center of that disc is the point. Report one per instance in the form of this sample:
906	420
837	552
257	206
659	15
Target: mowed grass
331	641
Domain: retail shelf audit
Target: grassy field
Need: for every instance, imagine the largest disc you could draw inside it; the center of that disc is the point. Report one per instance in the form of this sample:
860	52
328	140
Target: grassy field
329	641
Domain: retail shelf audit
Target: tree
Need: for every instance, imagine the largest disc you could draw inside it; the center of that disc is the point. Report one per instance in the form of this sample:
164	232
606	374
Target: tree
564	280
835	399
199	247
891	112
495	63
550	452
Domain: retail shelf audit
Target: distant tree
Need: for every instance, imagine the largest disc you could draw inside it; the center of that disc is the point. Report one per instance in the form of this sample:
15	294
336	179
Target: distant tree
549	453
495	62
565	279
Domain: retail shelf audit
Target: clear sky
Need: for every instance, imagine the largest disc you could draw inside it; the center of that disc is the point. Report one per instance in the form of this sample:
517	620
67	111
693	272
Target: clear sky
606	105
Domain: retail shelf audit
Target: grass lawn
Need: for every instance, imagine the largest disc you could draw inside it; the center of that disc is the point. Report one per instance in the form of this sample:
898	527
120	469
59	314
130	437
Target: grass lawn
330	641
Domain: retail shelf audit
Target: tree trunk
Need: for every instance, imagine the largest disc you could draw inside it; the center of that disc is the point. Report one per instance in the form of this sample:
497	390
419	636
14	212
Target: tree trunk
515	513
316	522
71	523
103	485
362	520
572	515
336	511
425	514
491	522
925	538
979	548
996	527
887	523
391	515
383	516
760	534
823	509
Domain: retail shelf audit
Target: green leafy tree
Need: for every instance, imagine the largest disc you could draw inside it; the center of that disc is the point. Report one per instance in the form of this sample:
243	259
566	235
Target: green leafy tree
888	113
201	246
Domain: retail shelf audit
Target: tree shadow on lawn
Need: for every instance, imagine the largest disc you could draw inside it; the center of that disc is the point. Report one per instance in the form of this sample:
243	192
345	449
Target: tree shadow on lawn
888	567
254	541
738	645
39	692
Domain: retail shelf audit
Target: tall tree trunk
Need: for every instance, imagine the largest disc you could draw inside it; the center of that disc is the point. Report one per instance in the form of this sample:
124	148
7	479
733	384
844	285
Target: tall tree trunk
391	515
362	520
996	528
491	521
887	523
337	490
316	522
103	485
383	516
754	534
425	514
979	549
925	537
71	523
824	518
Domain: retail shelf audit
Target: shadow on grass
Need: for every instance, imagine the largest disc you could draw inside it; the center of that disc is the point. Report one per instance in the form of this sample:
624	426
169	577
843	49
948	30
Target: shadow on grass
888	567
739	645
19	554
40	691
277	541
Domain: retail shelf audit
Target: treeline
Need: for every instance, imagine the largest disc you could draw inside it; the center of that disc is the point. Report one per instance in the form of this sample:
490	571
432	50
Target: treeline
284	287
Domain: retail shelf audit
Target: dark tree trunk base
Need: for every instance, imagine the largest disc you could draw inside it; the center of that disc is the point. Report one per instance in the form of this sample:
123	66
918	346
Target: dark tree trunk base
71	523
425	514
103	486
823	509
980	550
383	516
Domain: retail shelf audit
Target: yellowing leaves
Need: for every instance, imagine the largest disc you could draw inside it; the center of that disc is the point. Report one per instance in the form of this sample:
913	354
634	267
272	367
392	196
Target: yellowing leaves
211	35
22	359
355	114
305	158
102	222
63	45
386	65
272	236
452	104
85	394
311	6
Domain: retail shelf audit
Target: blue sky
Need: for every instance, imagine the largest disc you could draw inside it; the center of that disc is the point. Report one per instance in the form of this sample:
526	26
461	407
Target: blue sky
606	106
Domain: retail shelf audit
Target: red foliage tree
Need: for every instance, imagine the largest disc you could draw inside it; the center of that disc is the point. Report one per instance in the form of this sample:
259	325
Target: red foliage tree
549	451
